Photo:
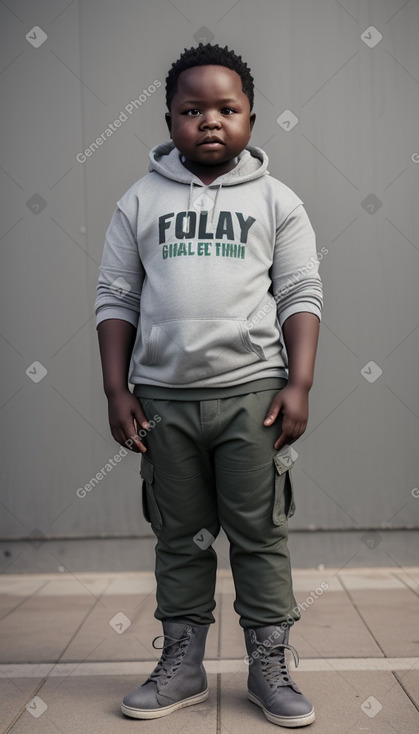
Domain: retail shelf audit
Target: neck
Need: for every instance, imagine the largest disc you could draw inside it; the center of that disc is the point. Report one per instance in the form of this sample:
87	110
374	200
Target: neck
208	174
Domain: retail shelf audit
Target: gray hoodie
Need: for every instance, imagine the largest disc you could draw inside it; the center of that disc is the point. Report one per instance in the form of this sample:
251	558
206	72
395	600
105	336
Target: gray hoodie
208	274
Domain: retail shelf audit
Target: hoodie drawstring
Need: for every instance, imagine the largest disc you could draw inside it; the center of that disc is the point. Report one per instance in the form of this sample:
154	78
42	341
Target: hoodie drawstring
215	203
190	197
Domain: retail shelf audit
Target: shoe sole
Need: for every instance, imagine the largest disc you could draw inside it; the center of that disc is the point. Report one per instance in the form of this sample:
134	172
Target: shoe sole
164	710
289	721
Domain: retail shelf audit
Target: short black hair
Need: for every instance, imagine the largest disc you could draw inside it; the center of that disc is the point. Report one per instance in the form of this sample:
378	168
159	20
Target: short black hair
207	54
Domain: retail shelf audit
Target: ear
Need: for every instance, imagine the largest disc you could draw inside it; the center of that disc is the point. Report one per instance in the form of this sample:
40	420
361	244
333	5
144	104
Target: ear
252	120
168	119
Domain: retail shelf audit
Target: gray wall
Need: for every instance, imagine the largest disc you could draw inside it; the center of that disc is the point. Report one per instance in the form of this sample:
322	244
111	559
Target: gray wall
353	157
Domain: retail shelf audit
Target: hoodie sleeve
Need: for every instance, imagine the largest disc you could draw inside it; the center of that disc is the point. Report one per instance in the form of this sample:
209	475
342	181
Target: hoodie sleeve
296	281
121	273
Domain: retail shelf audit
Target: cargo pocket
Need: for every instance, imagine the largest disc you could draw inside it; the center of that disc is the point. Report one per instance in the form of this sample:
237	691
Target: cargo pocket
151	510
283	505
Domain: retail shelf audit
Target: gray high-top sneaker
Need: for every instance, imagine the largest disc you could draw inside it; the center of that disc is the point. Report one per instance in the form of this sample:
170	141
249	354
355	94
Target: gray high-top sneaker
179	678
269	683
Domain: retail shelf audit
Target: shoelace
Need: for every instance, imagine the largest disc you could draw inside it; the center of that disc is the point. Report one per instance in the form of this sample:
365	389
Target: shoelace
274	666
169	661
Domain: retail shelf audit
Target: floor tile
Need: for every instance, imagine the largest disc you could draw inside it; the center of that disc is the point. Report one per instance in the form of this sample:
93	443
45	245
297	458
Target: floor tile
40	629
14	694
119	628
409	679
330	627
92	705
337	698
392	617
371	579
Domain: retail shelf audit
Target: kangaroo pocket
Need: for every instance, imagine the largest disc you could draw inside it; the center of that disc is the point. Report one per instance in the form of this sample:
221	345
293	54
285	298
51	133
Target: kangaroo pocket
193	349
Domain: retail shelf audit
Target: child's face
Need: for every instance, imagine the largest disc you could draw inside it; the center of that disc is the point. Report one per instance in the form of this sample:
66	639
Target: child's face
210	120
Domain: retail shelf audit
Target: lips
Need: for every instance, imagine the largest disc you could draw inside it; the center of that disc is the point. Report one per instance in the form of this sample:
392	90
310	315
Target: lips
211	141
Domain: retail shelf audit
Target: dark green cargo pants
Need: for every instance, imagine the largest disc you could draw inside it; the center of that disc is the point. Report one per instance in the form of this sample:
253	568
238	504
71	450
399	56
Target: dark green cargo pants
208	463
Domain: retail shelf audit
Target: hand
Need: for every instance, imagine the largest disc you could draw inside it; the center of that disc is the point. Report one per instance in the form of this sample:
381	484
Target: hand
292	401
125	417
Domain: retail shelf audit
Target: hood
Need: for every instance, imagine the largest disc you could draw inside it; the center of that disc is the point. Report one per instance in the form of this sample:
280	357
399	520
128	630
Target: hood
166	160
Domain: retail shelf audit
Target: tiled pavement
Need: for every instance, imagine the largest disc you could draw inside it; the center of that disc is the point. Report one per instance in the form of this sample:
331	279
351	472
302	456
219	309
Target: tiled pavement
71	646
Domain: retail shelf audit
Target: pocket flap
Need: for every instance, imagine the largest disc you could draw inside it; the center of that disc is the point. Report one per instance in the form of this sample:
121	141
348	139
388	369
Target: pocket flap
147	470
284	504
285	459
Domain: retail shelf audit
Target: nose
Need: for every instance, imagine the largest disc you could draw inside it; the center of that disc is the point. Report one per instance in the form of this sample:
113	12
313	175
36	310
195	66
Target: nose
210	121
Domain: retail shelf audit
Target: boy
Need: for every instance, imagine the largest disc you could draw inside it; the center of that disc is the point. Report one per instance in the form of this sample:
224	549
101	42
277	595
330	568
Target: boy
209	273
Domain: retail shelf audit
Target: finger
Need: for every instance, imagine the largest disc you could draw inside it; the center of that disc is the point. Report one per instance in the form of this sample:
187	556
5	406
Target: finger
288	434
135	441
281	441
127	440
142	448
273	412
141	419
140	416
288	425
132	439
